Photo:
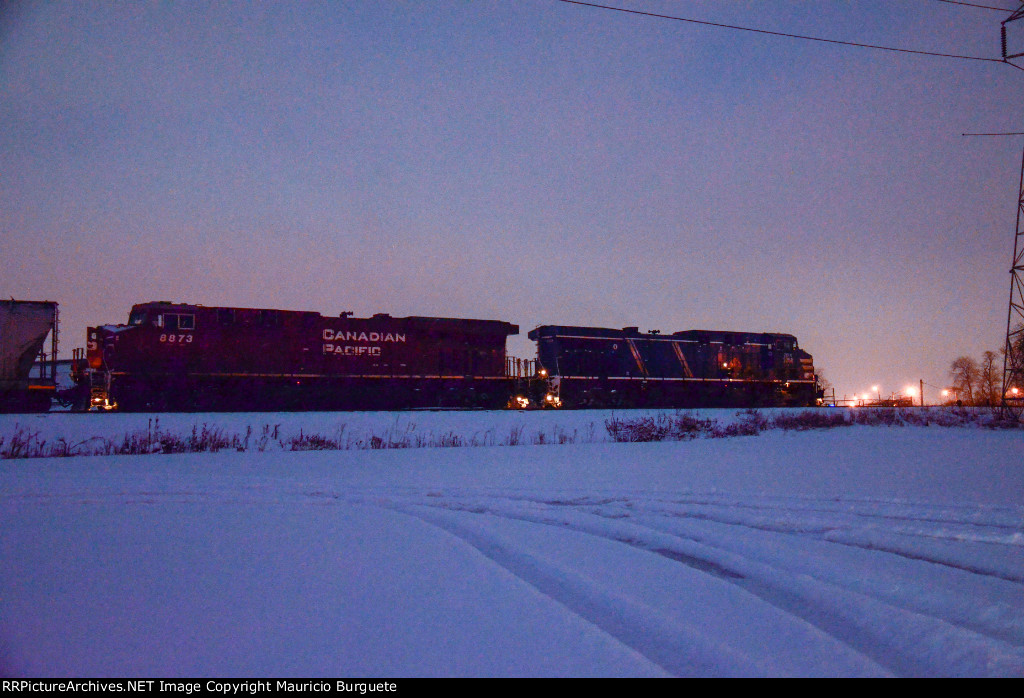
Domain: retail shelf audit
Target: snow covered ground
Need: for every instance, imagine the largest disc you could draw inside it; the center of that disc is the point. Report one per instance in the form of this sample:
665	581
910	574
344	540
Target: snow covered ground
854	551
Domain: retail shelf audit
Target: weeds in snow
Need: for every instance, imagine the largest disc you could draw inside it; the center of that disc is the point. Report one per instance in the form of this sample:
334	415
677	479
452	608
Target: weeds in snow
680	426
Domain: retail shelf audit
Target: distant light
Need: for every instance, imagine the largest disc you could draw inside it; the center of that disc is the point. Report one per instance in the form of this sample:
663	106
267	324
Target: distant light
945	393
910	390
874	388
1014	391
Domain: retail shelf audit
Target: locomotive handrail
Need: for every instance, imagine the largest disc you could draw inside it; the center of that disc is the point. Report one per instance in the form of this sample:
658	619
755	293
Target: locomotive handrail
520	368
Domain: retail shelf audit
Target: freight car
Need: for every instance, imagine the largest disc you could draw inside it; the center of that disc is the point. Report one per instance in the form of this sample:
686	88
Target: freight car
172	356
24	326
599	367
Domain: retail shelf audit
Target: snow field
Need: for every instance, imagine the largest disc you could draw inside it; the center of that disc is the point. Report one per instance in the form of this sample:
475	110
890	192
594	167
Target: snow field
866	551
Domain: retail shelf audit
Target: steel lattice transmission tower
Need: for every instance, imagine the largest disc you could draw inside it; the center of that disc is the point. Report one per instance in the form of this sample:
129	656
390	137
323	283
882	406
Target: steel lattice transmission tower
1013	359
1012	405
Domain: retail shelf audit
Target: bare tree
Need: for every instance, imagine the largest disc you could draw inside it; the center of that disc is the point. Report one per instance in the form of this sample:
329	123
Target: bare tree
990	379
965	374
824	384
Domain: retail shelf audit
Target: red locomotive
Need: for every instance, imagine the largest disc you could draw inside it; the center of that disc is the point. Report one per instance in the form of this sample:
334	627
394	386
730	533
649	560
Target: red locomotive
190	357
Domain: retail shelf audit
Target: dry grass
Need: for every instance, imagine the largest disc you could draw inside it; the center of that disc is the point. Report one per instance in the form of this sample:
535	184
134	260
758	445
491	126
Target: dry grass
680	426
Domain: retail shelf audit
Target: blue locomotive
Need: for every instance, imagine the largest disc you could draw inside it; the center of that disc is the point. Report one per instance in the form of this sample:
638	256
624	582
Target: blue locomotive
601	367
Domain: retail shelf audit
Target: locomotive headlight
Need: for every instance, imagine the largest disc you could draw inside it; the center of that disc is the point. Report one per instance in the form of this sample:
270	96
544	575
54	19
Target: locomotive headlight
542	373
522	402
553	400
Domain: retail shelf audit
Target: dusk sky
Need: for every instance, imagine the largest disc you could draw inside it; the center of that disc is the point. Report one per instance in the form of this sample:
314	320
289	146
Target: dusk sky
523	160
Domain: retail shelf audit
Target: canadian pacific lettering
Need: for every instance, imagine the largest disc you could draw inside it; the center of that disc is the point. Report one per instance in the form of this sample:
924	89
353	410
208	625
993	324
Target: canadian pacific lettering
349	350
331	335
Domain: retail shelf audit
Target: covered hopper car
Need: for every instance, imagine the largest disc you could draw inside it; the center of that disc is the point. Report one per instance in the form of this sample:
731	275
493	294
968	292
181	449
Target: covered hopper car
24	326
600	367
173	356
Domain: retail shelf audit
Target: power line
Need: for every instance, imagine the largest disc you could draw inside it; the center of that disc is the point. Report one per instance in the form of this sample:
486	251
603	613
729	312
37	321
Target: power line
789	36
971	4
1009	133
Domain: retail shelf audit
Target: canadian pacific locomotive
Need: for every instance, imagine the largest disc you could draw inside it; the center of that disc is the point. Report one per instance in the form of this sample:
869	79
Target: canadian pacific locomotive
599	367
191	357
173	356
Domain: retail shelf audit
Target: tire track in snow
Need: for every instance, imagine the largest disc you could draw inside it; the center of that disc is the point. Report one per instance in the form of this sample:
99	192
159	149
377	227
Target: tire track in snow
1011	566
1001	518
679	649
904	641
853	540
997	620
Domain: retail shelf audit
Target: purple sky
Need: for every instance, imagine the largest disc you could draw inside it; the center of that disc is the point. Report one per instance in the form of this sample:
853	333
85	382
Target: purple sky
527	161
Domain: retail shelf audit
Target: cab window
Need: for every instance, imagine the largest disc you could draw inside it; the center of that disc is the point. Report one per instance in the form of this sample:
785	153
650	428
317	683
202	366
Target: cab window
178	321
